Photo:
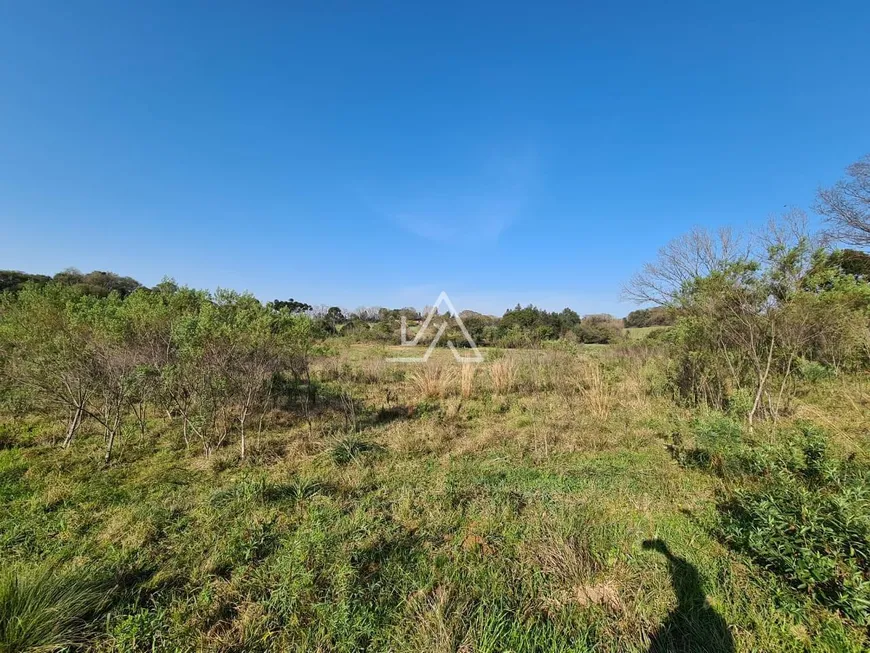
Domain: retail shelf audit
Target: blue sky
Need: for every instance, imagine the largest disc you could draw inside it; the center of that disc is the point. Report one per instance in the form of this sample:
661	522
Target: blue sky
367	153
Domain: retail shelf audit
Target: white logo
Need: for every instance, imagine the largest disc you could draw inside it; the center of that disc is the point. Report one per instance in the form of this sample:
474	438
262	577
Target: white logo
476	357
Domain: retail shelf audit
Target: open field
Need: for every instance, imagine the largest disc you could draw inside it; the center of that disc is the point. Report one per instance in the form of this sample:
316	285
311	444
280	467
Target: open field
639	333
435	507
420	328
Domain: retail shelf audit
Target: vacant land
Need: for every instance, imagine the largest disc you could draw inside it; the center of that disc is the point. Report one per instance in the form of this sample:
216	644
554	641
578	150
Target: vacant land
188	470
545	500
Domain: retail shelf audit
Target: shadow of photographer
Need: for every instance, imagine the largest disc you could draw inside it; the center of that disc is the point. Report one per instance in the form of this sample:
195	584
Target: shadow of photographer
693	625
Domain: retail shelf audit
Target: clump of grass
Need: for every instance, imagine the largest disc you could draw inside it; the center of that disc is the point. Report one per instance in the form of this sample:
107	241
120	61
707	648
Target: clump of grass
432	381
503	374
248	488
466	380
350	448
595	390
302	488
43	608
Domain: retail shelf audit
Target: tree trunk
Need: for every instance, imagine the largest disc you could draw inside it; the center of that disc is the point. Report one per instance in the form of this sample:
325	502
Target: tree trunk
73	427
762	380
242	430
111	439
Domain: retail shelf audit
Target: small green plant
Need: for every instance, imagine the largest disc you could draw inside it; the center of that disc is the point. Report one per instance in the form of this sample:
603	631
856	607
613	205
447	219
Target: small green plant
301	488
248	488
350	448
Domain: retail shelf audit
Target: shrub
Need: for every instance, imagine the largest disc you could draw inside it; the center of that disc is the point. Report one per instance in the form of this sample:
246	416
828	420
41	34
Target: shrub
814	535
793	509
813	371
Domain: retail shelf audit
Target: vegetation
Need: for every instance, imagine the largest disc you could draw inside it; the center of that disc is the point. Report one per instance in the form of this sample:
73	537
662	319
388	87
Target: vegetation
183	470
47	608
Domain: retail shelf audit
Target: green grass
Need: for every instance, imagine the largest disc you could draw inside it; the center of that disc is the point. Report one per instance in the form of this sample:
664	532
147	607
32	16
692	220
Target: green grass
48	608
639	333
516	522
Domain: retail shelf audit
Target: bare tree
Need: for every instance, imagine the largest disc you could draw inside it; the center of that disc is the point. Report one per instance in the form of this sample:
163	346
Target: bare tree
846	206
694	255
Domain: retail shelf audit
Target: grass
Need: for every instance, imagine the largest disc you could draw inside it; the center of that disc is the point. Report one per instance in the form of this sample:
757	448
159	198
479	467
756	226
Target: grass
47	608
639	333
481	517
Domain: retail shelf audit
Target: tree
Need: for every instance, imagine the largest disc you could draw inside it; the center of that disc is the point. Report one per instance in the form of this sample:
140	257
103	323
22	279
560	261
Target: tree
291	305
13	280
745	318
47	353
681	262
97	282
529	323
212	360
598	329
846	205
568	320
647	317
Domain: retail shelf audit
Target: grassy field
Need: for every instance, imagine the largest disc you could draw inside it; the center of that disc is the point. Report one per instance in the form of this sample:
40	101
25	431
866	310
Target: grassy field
541	501
639	333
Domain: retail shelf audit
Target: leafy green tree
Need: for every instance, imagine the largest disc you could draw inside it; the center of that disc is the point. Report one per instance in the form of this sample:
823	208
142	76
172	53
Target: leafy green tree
97	283
13	280
291	305
746	318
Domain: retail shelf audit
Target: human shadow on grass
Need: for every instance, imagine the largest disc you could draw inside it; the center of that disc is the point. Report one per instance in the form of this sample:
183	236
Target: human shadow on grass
693	625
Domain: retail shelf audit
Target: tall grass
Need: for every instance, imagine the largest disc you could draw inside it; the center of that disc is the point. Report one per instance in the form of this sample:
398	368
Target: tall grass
503	374
45	609
432	380
466	380
597	394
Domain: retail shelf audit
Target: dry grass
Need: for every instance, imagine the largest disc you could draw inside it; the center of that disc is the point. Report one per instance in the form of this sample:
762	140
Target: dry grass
432	380
437	623
503	374
466	380
597	393
567	560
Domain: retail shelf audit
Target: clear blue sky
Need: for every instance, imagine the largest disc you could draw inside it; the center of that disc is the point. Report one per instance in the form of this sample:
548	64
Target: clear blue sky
369	153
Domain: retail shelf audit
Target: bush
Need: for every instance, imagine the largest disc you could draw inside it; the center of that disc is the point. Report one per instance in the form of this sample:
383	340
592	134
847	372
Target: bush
814	372
716	444
813	531
793	509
